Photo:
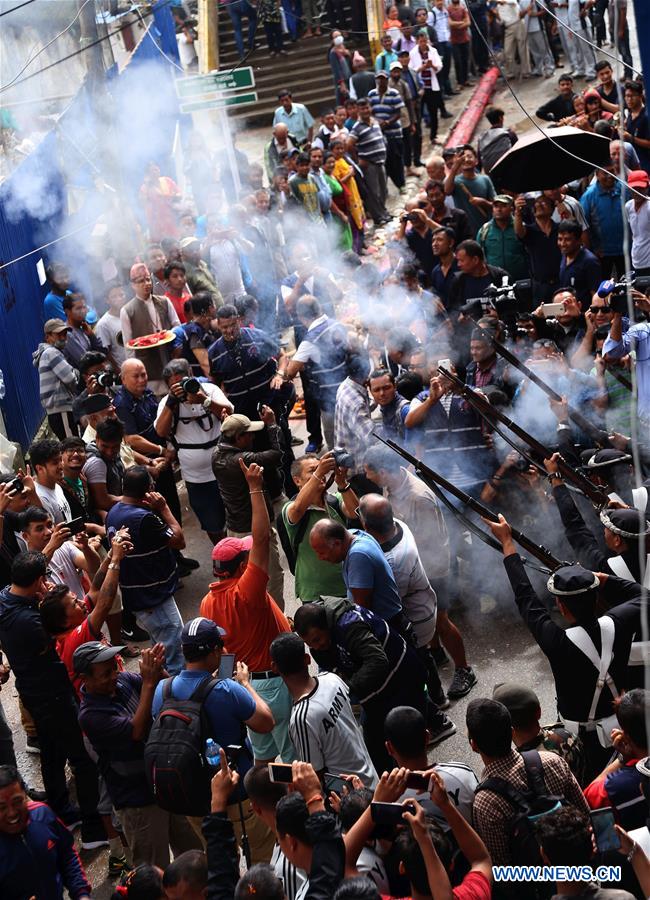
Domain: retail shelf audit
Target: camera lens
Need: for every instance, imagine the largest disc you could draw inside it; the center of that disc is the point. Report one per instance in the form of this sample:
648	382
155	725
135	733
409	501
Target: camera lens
191	385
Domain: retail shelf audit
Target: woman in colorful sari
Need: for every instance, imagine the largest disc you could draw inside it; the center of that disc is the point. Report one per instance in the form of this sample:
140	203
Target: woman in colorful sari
344	173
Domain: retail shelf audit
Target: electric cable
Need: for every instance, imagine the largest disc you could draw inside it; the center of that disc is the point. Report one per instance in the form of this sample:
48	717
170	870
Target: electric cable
14	8
31	59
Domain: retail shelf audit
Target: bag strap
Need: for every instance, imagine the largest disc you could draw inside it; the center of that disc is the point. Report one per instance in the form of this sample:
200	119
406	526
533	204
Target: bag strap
580	639
506	790
201	691
534	772
167	688
299	536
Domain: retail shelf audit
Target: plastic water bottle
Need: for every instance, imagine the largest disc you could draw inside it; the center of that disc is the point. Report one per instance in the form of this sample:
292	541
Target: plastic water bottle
212	753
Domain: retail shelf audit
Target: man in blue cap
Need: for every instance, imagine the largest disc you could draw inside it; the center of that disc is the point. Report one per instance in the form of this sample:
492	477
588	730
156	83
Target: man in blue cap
589	660
229	707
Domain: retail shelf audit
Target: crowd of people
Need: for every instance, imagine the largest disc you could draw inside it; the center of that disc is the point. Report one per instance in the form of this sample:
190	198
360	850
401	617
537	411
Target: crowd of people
293	742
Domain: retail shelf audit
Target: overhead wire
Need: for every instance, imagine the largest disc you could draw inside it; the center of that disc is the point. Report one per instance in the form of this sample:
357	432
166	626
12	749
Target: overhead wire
31	59
15	8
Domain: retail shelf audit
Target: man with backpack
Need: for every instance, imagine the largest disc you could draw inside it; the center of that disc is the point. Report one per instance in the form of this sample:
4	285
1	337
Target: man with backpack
115	716
217	708
514	786
313	477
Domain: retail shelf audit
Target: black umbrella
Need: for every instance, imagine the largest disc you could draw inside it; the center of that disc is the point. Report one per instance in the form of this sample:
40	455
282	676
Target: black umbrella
538	160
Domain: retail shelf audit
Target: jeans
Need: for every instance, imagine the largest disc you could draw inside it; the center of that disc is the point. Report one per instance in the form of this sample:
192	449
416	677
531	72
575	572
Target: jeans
273	35
7	755
461	61
412	145
395	160
61	741
444	49
164	624
431	100
237	9
375	176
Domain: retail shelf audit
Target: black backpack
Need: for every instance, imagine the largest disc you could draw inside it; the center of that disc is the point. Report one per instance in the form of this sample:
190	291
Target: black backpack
528	805
290	545
174	756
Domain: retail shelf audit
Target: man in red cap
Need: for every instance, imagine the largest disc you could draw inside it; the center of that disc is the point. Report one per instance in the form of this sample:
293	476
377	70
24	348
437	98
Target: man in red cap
147	313
240	604
638	215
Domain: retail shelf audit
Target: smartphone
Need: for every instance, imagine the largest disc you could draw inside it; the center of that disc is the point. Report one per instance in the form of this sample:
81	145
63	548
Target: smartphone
602	822
445	363
226	666
75	526
417	781
280	773
389	813
335	783
552	309
17	485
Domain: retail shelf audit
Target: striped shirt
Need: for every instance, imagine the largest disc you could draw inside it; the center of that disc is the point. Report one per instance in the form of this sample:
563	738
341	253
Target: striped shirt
325	733
384	107
371	145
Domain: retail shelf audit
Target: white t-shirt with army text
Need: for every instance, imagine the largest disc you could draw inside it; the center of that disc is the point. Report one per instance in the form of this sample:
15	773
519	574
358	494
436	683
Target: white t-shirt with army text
326	734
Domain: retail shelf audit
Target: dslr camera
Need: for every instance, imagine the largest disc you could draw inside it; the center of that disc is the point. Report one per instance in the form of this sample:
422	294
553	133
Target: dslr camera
342	458
617	291
107	379
190	385
508	300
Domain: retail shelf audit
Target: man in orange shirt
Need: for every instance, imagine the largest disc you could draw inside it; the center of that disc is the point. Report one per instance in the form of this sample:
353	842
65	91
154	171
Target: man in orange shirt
239	602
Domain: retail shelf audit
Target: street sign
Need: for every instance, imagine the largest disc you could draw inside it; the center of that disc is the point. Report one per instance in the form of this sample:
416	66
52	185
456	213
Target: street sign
219	102
196	85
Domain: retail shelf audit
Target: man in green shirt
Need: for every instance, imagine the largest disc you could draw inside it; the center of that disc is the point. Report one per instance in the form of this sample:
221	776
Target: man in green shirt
471	192
314	577
500	244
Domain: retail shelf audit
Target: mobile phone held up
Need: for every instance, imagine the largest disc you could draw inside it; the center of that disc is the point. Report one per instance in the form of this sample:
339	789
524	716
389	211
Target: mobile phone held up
75	526
390	813
602	822
226	665
280	773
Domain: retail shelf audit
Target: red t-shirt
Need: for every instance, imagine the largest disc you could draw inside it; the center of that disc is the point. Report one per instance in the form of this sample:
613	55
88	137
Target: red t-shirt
66	645
178	303
474	886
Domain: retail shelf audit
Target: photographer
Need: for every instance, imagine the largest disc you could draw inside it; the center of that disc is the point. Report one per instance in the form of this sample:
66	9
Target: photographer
474	275
636	338
190	419
81	338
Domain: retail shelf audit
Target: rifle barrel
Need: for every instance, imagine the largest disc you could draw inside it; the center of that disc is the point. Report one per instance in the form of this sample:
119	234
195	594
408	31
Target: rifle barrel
484	407
426	474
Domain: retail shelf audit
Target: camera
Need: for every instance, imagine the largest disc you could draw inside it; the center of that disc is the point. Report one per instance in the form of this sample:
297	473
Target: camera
190	385
16	485
342	458
508	300
616	291
107	379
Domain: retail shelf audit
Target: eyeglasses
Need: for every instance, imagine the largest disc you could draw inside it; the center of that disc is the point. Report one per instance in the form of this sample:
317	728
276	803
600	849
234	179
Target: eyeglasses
607	310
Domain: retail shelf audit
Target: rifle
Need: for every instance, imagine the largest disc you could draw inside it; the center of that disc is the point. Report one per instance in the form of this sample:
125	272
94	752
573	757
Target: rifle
600	437
431	478
485	409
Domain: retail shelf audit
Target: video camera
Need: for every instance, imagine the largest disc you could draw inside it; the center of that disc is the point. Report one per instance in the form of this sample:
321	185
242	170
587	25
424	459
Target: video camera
508	300
107	379
617	290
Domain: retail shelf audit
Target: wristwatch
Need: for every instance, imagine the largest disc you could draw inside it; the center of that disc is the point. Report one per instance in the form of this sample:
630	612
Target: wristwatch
113	565
207	403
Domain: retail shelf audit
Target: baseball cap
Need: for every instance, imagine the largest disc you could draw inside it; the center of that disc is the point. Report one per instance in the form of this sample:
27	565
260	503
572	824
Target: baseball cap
93	403
189	242
521	702
54	326
503	198
229	548
93	652
638	178
237	424
202	634
382	74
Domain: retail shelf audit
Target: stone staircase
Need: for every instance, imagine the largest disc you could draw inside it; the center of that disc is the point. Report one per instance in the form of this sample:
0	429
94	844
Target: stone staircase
305	71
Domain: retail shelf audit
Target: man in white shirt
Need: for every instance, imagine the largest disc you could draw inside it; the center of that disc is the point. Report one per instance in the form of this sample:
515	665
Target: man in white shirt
515	38
47	466
109	327
322	726
189	417
425	60
638	214
543	63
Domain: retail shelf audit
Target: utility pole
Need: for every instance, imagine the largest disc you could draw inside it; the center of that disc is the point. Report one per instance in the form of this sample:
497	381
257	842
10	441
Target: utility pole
93	56
208	36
